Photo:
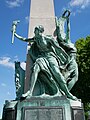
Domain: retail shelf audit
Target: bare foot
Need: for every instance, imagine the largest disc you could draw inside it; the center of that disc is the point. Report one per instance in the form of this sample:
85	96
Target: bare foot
70	96
25	95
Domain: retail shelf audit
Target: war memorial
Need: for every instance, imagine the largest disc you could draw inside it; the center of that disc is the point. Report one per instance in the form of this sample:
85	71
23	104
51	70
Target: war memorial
43	89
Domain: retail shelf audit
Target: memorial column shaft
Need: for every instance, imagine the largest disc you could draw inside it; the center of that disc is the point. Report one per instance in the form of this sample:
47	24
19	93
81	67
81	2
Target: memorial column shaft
41	13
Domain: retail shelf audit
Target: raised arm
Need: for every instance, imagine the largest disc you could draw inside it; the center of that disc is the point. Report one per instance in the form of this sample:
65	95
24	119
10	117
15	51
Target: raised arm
14	26
57	31
24	39
60	27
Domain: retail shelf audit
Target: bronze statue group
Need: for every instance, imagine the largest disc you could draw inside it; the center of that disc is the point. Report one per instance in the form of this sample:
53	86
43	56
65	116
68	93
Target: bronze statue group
54	60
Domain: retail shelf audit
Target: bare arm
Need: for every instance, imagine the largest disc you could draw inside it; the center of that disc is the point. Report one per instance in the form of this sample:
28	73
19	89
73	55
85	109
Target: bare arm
24	39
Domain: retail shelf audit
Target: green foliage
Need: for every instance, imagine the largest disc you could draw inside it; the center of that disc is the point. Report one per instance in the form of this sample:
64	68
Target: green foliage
82	87
87	109
83	59
83	54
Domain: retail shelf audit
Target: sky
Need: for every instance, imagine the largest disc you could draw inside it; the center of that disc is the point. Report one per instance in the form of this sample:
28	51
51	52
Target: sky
9	53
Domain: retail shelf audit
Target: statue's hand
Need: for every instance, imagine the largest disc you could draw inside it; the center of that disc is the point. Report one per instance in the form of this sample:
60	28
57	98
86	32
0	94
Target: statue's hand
13	30
57	21
14	26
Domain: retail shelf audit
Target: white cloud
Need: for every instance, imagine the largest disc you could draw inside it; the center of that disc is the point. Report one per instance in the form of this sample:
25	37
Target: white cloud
27	19
73	13
16	58
1	112
14	3
76	6
23	65
6	61
8	93
3	85
80	3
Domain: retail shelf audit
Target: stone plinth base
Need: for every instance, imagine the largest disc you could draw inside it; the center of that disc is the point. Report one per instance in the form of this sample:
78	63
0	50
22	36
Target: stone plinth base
36	108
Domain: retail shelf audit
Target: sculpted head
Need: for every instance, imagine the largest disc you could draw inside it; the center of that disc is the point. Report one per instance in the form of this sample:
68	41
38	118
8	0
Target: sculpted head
38	30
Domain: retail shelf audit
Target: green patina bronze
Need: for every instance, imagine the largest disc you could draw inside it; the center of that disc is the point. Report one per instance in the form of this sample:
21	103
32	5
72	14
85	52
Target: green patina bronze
65	43
19	80
54	60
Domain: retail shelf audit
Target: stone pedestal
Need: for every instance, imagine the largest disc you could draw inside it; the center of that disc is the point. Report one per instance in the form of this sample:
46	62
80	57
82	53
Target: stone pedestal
36	108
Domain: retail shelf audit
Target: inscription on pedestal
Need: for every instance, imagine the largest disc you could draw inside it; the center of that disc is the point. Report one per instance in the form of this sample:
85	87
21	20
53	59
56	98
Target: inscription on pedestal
43	113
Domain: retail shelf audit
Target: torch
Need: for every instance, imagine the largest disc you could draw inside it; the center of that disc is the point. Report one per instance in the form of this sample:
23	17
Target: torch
14	25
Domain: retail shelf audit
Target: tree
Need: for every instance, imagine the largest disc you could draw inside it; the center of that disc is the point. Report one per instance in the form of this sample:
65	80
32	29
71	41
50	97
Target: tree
82	87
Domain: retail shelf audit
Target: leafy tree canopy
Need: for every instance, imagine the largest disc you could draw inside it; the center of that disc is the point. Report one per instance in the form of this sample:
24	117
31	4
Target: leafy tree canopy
82	87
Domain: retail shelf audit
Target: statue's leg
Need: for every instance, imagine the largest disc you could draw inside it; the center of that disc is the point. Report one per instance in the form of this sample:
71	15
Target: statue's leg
34	75
61	81
66	91
73	77
50	86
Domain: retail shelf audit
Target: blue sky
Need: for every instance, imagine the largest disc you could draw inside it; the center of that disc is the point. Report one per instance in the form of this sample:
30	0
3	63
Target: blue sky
19	9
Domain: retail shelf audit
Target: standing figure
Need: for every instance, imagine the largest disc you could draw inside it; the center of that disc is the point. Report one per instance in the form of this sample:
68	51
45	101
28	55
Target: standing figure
65	43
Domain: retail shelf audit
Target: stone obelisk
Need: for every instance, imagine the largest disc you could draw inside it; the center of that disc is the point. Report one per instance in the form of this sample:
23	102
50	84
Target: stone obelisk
41	13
